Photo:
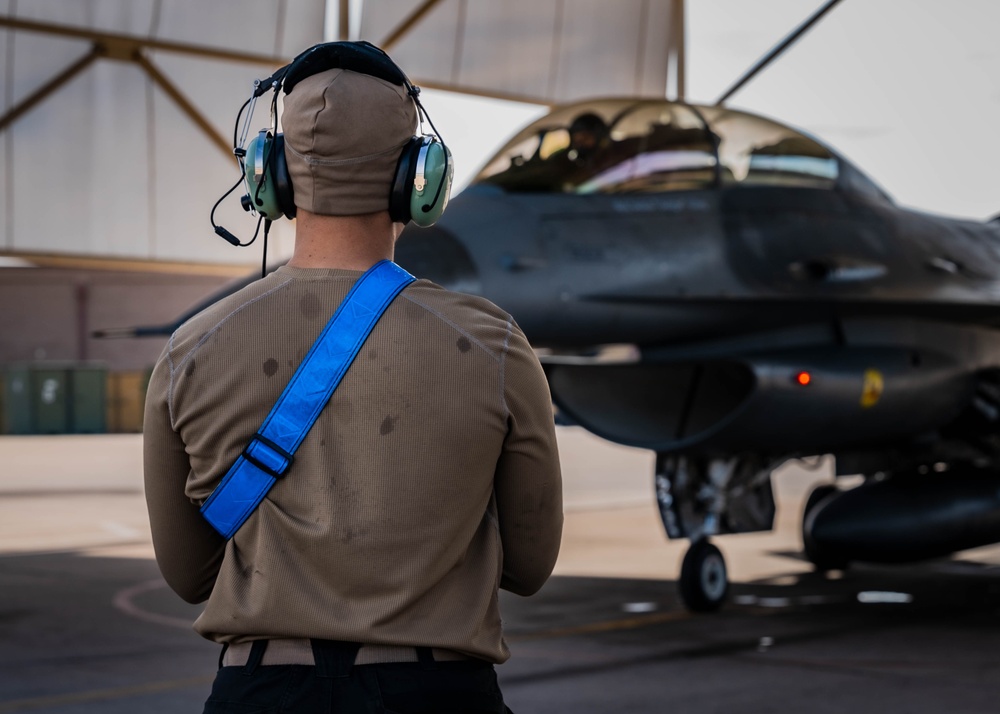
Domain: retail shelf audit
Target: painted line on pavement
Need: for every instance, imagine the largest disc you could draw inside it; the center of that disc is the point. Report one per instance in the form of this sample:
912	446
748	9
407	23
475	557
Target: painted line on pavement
123	602
628	623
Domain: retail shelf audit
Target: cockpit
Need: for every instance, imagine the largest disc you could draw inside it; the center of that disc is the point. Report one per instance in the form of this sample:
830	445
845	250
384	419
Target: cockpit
652	146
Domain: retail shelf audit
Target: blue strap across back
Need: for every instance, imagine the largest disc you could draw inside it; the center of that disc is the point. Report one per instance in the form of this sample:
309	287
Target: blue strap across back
271	451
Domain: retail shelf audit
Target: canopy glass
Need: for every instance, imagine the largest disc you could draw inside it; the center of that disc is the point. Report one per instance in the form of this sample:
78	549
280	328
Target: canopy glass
647	146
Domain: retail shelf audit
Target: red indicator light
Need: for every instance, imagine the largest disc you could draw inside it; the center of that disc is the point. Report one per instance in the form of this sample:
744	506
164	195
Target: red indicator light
804	379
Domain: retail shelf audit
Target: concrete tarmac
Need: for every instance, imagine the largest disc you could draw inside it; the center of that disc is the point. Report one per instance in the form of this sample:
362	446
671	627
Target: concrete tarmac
87	624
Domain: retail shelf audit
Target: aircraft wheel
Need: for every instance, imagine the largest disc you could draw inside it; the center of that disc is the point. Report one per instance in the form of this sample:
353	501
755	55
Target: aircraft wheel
814	554
817	496
704	582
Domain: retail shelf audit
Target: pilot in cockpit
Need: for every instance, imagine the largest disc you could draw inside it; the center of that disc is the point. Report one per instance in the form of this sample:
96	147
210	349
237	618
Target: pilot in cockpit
588	136
562	158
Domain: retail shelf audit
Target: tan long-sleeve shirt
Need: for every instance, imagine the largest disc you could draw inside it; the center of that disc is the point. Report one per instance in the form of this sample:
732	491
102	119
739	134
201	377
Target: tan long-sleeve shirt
430	479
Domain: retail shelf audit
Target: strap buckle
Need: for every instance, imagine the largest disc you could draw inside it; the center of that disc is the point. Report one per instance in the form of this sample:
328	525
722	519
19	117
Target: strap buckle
268	456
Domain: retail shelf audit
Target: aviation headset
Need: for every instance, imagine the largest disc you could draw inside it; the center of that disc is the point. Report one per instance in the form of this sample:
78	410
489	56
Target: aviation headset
422	182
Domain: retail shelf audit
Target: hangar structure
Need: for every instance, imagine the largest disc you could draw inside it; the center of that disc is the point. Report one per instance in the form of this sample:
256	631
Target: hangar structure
116	124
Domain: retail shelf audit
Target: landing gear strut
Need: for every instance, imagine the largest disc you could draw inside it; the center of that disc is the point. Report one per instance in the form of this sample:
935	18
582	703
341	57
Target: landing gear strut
702	497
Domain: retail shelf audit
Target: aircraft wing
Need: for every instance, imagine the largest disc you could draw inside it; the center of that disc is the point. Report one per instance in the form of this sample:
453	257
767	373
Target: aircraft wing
564	50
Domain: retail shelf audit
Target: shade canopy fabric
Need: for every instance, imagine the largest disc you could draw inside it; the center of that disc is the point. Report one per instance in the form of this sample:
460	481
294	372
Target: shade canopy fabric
102	153
116	116
544	51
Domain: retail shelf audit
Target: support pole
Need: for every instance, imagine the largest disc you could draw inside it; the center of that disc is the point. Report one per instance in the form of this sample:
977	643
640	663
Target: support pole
344	31
774	53
680	49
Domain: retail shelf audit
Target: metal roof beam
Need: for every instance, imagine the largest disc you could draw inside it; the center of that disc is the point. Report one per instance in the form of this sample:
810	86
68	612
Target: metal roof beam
407	24
110	39
183	103
50	87
127	49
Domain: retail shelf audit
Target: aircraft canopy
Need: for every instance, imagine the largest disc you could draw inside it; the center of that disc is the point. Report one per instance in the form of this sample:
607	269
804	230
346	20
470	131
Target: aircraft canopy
625	146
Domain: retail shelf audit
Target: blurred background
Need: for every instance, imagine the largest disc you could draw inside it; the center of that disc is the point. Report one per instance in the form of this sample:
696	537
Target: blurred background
115	139
116	134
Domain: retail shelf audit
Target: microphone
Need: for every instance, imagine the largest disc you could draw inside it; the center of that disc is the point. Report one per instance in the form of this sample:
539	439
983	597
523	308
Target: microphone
220	231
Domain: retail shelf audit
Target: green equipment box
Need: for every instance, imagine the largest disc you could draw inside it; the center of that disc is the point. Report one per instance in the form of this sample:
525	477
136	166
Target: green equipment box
55	398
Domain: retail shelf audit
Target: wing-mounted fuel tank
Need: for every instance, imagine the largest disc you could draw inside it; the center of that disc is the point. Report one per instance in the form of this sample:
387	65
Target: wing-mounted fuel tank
806	400
906	518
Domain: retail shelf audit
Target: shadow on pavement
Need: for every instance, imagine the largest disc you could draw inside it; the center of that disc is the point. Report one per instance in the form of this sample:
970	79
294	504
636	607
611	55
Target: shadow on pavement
85	634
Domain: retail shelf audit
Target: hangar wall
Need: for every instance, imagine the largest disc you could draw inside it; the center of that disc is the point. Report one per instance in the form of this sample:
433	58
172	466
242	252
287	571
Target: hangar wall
109	168
48	317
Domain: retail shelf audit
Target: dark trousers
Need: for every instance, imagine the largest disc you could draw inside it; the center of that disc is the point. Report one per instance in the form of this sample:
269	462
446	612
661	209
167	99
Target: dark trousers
336	684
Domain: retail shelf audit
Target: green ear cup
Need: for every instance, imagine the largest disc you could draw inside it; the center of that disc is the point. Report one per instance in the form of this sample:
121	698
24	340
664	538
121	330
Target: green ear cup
263	195
430	196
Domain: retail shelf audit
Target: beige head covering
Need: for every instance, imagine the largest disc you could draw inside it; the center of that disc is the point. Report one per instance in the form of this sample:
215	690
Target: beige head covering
344	132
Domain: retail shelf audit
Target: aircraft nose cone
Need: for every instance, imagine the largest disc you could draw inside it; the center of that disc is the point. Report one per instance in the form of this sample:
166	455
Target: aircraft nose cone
435	254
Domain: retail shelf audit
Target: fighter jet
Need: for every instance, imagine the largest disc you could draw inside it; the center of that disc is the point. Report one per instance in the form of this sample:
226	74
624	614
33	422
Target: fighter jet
730	293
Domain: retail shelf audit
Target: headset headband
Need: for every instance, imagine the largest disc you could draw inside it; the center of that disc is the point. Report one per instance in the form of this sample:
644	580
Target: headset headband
423	156
362	57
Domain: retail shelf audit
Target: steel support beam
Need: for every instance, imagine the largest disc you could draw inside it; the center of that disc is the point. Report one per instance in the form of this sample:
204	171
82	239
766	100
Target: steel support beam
109	39
126	48
407	24
183	103
50	87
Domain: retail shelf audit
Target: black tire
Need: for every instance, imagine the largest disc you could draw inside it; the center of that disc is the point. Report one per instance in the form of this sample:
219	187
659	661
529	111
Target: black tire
821	560
817	496
704	581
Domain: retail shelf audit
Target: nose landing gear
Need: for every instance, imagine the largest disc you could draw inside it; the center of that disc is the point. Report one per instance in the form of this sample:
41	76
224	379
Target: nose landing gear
701	497
704	581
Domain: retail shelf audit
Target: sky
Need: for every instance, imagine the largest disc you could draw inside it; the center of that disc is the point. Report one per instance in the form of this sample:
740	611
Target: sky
908	91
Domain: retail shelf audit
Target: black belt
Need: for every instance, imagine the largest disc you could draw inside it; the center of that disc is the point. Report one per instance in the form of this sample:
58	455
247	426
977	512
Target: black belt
313	652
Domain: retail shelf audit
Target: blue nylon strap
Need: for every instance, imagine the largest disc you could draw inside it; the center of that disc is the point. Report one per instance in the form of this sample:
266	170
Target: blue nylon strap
271	450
